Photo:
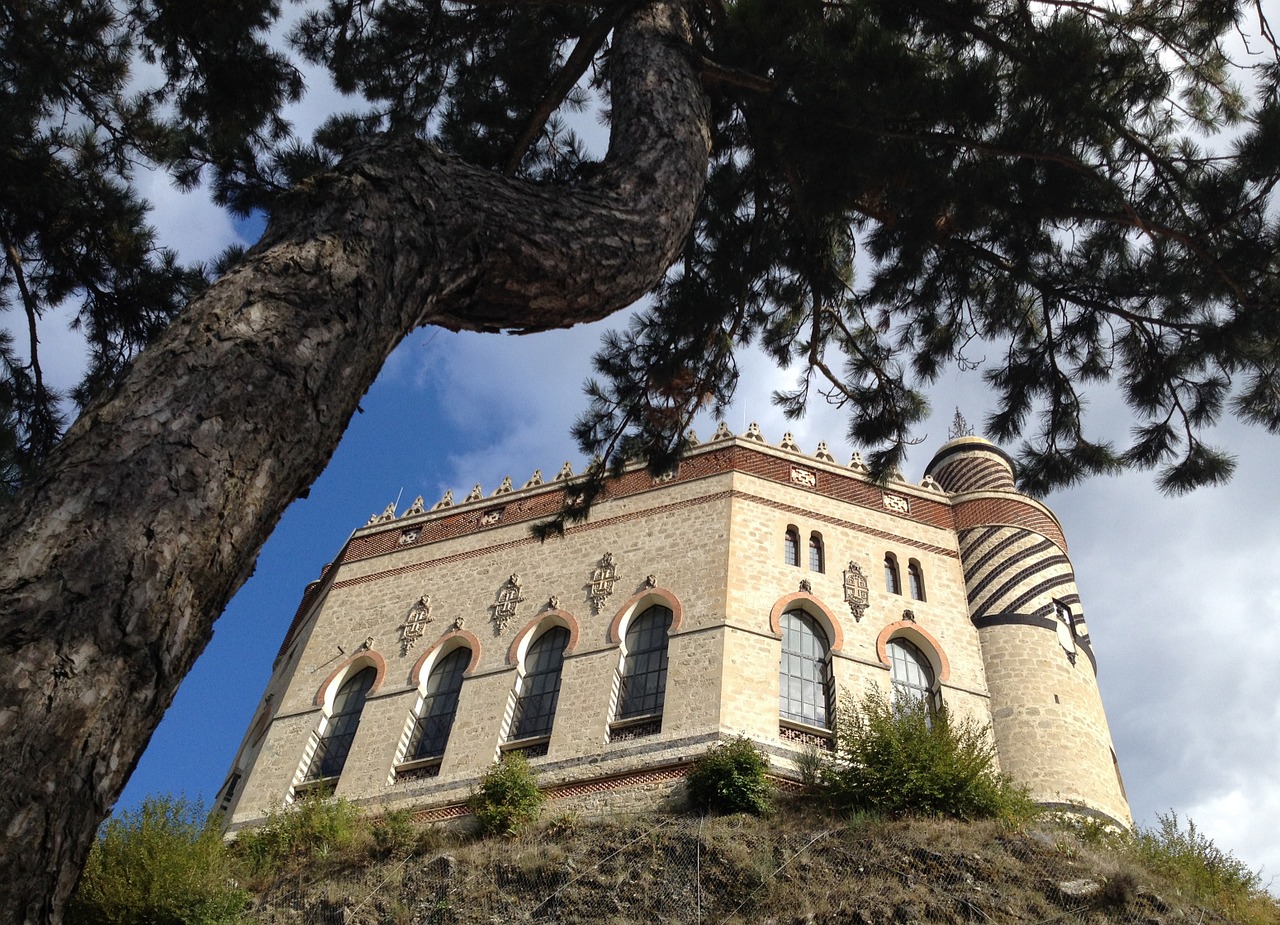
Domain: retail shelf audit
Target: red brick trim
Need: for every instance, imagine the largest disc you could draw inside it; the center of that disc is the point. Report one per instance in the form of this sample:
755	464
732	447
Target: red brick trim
473	643
555	617
921	637
1008	510
373	658
647	596
803	600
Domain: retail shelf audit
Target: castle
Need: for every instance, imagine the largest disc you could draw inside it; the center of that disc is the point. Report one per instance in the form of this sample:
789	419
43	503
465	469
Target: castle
740	593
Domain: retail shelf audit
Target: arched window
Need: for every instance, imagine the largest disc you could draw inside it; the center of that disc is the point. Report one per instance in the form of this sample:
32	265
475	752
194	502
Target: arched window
911	673
892	580
540	686
644	667
915	580
817	562
805	672
791	547
439	706
335	744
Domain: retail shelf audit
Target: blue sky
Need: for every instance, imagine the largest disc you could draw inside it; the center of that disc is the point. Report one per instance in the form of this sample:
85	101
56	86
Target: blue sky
1182	595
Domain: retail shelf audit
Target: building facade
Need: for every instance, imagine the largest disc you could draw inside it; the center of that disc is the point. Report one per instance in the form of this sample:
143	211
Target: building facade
744	592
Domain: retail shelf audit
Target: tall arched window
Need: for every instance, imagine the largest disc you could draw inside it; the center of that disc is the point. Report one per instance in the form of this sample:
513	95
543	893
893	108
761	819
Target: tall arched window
817	562
892	580
911	672
915	580
540	686
335	744
644	667
805	672
791	547
439	706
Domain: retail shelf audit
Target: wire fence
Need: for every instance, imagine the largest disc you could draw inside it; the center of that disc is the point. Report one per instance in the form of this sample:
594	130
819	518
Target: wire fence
735	870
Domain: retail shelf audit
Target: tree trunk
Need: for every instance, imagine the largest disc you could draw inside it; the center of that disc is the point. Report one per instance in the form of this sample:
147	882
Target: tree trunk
149	516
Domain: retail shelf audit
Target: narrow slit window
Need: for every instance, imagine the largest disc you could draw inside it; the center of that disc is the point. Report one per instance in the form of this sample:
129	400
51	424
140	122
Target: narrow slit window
915	579
816	558
791	547
892	580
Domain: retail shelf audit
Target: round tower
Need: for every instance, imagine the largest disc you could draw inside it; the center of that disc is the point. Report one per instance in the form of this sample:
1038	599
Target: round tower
1050	729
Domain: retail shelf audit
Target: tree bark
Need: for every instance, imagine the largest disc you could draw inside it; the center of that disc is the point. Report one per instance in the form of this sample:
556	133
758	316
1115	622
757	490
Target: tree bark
148	517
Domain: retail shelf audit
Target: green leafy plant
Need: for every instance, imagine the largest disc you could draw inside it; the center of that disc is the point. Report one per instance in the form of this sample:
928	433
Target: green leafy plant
1207	873
896	756
507	798
394	832
163	864
312	827
731	778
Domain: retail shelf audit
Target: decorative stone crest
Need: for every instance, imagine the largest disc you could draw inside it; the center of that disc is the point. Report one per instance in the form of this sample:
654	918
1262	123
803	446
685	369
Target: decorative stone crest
691	438
928	483
534	480
509	597
651	581
446	501
856	463
602	581
553	602
504	488
788	443
897	504
803	477
415	508
909	615
823	452
753	433
566	472
663	477
722	433
457	622
388	514
855	590
491	517
415	623
806	586
475	495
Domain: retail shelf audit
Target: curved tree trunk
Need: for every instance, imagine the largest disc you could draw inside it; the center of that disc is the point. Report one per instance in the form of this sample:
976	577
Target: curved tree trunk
116	562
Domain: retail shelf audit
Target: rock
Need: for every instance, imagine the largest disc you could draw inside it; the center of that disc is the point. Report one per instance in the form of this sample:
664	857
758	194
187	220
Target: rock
1079	889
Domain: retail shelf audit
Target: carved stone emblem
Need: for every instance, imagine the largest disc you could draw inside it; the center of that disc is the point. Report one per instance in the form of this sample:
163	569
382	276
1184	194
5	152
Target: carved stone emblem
803	477
855	590
897	504
806	585
409	535
415	622
909	615
489	518
667	476
602	581
509	597
553	602
651	581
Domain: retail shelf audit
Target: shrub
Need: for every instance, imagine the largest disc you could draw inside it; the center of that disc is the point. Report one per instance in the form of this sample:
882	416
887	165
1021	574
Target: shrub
730	778
896	756
312	827
507	798
164	864
1206	872
394	832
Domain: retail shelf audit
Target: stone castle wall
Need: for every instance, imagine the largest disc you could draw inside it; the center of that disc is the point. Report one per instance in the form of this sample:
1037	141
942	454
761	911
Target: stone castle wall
706	540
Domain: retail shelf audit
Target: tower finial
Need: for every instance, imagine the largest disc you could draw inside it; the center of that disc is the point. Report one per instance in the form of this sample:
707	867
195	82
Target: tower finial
959	426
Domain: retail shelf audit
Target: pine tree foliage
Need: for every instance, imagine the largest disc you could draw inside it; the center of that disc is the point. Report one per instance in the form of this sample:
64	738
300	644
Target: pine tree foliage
1063	194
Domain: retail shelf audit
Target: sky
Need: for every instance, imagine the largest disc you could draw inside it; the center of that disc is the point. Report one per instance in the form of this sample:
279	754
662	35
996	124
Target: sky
1182	595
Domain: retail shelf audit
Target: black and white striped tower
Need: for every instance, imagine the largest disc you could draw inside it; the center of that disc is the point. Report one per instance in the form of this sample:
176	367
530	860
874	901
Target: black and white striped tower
1050	729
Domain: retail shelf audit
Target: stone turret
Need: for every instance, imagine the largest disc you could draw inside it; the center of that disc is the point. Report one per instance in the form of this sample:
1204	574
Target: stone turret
1050	729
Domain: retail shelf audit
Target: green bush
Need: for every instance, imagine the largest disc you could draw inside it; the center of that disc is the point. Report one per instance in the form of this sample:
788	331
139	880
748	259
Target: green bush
1206	872
507	798
730	778
896	757
165	864
312	827
394	832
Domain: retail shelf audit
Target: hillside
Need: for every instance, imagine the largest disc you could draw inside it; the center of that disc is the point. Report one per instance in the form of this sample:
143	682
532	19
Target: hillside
792	868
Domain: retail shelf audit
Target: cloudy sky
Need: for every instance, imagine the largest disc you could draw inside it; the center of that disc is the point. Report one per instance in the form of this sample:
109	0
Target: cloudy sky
1182	595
